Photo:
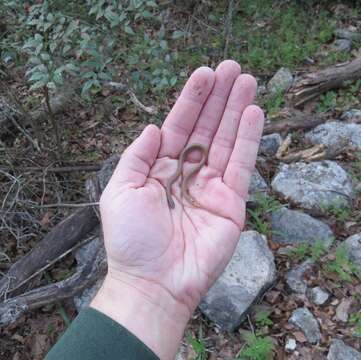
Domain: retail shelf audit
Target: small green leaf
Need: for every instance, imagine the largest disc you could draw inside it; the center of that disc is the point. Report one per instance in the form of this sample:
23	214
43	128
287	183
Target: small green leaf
86	87
177	34
37	85
129	30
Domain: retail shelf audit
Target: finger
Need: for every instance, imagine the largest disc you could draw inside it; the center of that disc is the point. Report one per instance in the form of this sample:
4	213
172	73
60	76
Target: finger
180	121
208	122
243	158
242	95
138	158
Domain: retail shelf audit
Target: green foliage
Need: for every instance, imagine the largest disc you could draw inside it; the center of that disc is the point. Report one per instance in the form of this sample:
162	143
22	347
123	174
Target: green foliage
312	251
272	103
257	348
198	345
338	209
327	101
262	318
258	217
287	39
342	265
355	320
356	166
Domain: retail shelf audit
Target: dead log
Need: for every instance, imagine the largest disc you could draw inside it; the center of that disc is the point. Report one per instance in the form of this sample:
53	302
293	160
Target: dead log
62	237
85	276
91	259
294	121
309	86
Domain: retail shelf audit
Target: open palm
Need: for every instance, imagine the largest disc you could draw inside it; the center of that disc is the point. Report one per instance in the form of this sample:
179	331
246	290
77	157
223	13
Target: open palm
183	250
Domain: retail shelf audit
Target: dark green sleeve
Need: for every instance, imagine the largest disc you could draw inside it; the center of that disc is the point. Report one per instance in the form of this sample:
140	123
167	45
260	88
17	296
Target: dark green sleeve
95	336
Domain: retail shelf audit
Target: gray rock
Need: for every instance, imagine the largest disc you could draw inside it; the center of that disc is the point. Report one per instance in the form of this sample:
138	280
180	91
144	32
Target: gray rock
294	277
270	144
314	186
347	34
281	81
352	115
257	186
290	345
250	272
343	309
305	321
317	295
340	351
295	227
261	90
353	246
336	134
342	45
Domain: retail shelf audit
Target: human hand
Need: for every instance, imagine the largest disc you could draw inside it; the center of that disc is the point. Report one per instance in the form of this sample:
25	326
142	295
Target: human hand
166	259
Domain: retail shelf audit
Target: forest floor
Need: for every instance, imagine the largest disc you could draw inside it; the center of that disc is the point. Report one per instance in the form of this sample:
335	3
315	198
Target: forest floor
263	37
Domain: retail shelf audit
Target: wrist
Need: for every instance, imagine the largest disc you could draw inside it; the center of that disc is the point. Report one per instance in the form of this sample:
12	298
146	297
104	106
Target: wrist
146	309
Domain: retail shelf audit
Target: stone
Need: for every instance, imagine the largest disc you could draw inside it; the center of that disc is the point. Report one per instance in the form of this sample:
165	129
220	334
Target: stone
340	351
270	144
306	322
257	186
343	310
290	345
352	115
317	295
353	247
261	90
347	34
249	274
342	45
314	186
281	81
294	277
336	134
295	227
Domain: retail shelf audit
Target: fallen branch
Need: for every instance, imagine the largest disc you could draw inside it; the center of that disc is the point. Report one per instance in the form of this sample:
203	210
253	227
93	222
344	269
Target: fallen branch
62	237
85	276
294	121
63	169
314	84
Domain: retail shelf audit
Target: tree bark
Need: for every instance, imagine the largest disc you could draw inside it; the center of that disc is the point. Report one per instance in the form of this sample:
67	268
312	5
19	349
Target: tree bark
314	84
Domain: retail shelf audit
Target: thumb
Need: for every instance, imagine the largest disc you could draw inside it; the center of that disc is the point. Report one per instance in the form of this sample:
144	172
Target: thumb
135	163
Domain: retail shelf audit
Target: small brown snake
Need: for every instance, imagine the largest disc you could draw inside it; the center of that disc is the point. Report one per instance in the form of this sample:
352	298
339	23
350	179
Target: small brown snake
174	177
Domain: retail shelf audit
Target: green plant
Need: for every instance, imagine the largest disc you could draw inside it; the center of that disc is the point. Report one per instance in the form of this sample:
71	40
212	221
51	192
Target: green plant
337	208
257	348
342	265
356	166
355	320
273	103
262	318
198	345
313	251
258	217
327	101
300	251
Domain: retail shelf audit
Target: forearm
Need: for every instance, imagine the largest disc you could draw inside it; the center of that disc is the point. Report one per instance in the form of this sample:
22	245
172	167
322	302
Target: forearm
146	310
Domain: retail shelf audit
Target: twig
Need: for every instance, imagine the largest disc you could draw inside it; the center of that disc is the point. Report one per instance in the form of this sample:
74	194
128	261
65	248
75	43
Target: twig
148	109
53	120
125	89
64	169
65	205
228	28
